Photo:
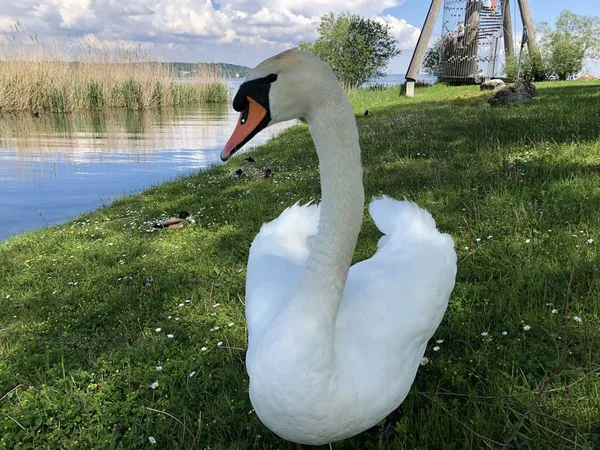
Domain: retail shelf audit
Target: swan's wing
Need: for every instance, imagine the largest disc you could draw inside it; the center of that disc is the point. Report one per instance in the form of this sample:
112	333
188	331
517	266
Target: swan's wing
394	301
276	259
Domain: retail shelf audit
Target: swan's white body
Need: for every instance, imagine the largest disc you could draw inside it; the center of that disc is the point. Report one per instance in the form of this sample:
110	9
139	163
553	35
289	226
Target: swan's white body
334	349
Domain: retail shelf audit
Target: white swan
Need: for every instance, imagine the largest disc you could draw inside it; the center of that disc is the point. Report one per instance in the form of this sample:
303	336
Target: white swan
333	349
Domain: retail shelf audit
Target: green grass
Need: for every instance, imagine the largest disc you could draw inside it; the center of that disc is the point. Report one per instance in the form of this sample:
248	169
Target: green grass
519	191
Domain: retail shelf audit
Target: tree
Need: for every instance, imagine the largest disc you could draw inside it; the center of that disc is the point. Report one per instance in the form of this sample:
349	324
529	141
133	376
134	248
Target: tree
573	39
357	49
432	62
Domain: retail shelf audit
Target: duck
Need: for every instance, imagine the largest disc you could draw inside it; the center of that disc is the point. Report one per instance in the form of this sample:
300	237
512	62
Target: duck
175	222
333	348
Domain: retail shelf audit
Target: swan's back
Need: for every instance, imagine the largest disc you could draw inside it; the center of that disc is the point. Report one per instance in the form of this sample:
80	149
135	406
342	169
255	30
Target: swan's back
394	302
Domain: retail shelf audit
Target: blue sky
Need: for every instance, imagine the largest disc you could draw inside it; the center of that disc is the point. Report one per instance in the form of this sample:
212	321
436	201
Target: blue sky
237	31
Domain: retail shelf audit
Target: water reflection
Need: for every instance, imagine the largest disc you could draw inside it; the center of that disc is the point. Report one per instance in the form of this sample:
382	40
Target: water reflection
65	165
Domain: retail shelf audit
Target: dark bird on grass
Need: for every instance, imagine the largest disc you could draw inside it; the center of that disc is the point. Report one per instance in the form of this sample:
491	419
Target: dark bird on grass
367	112
248	160
238	174
267	173
175	222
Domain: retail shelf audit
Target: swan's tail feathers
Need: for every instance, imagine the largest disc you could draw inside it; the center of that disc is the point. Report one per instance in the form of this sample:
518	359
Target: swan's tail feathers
403	220
287	236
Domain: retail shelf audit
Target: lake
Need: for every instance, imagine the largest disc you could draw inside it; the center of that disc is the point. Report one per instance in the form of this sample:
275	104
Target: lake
55	167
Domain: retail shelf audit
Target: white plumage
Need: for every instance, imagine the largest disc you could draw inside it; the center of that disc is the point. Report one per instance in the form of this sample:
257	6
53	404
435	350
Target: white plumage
334	349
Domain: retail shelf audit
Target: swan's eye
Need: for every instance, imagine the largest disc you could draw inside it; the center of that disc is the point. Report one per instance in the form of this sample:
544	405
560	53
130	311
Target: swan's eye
245	112
272	78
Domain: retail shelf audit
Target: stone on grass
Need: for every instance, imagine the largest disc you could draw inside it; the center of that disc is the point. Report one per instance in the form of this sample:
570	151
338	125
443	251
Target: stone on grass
513	94
492	84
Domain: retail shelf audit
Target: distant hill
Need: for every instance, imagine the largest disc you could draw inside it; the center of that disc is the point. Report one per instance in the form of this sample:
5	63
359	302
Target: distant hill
225	69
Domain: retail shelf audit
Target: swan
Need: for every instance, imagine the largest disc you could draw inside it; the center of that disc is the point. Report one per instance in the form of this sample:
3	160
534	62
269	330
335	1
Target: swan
333	349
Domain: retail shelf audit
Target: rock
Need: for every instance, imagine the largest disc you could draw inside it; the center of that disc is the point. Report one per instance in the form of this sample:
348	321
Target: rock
491	84
588	77
513	94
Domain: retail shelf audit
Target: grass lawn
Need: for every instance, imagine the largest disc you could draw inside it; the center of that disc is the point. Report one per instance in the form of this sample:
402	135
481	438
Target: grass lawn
96	312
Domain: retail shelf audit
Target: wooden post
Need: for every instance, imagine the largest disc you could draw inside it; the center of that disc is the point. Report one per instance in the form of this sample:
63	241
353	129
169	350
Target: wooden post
509	46
422	43
534	52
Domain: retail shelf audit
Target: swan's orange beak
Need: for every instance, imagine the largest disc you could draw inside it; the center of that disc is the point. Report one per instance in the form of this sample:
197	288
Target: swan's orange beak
252	119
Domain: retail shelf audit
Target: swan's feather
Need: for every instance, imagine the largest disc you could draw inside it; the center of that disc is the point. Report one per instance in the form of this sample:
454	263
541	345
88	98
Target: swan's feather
276	260
392	304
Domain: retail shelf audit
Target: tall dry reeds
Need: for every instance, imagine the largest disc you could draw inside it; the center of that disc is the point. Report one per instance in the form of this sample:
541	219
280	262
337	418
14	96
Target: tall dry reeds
82	74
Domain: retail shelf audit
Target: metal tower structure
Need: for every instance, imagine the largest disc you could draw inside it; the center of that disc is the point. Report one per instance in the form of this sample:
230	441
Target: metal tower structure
472	31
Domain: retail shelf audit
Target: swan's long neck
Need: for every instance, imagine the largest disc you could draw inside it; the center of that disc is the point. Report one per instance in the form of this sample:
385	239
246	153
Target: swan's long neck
308	324
334	133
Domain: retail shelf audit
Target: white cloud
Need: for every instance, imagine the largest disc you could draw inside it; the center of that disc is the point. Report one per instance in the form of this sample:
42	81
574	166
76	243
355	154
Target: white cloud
237	31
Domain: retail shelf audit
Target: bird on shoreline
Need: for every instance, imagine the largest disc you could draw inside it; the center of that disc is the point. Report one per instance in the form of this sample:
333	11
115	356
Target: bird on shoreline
175	222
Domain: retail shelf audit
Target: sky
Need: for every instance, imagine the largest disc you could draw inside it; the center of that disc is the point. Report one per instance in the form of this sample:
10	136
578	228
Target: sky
234	31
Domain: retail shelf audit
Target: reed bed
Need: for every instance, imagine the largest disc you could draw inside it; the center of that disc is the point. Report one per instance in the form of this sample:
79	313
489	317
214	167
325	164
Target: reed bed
84	74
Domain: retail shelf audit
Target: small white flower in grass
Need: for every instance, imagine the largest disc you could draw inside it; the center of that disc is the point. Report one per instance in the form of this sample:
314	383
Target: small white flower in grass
203	349
577	319
213	314
490	236
504	333
192	374
485	333
170	336
526	327
216	305
159	368
478	240
169	317
439	341
425	360
214	328
158	330
466	248
589	241
54	292
436	348
230	324
110	244
181	304
154	385
177	318
549	304
219	343
152	440
554	311
8	296
527	241
188	301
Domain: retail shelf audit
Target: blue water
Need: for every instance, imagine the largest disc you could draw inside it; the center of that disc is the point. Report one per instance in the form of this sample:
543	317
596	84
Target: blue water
55	167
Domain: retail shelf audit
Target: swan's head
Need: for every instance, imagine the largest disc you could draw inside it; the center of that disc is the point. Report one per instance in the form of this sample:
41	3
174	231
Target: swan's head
287	86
